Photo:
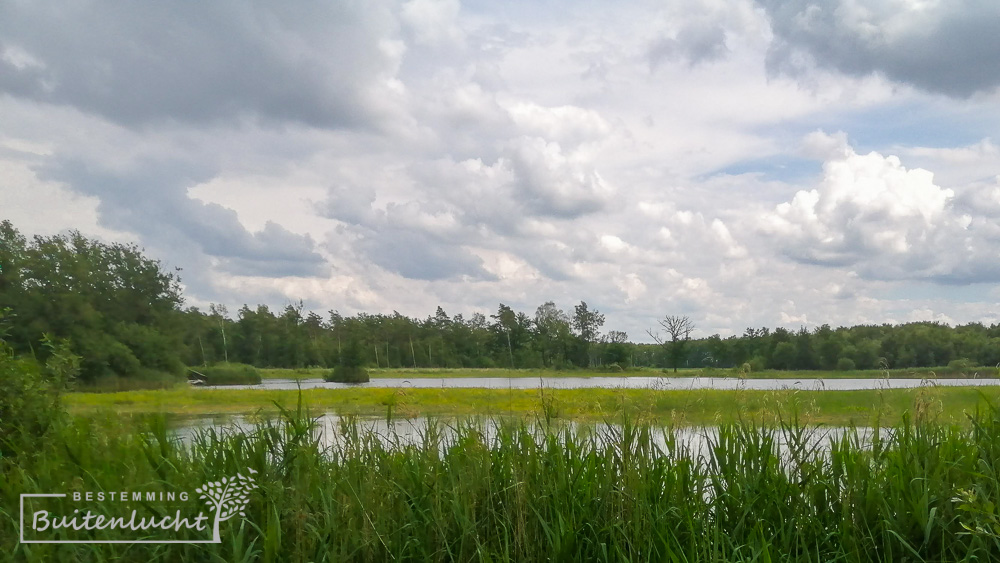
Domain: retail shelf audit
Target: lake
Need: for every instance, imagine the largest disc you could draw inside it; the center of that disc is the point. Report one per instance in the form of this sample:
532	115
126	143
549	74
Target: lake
402	432
654	383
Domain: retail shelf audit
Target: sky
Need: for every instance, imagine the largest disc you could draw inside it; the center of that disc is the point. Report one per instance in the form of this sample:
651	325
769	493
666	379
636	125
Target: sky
744	163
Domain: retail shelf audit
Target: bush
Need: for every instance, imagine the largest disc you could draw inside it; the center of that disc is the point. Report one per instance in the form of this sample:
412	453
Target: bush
230	374
757	363
960	365
845	364
485	362
150	348
347	374
102	355
30	395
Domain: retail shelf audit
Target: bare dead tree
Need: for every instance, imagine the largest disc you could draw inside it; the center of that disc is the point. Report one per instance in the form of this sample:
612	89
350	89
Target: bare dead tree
679	328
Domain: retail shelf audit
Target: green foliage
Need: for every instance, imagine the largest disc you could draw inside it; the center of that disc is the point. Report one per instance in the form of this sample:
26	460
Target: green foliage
485	362
348	374
351	356
230	374
960	365
616	353
498	490
845	364
30	393
29	403
120	313
906	346
113	305
757	363
150	347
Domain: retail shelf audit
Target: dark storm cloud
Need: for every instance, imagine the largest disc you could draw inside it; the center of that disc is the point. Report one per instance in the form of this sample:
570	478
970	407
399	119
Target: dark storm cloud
314	62
951	48
150	200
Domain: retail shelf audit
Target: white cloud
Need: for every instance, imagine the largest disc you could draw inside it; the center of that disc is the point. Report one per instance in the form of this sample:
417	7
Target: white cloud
871	213
395	156
434	22
567	125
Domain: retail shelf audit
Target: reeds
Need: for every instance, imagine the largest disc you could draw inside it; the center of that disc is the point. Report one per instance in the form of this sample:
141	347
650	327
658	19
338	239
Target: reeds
498	490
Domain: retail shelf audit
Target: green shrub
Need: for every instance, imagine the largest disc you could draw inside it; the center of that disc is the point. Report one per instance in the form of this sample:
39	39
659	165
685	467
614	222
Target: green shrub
960	365
485	362
845	364
347	374
151	349
230	374
30	402
743	370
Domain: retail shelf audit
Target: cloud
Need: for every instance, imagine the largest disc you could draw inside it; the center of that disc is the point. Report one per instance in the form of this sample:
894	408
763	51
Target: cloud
631	155
425	231
416	255
968	164
150	199
553	183
949	48
432	22
567	125
326	64
694	44
872	214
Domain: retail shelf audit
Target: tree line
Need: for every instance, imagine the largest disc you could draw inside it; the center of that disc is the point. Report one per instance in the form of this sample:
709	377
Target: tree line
122	313
293	337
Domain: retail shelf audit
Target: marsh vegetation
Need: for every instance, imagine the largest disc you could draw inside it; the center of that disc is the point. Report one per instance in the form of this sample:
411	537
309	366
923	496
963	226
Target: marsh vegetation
919	490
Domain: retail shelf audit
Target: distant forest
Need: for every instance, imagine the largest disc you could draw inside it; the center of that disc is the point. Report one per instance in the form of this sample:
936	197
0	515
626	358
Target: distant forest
123	315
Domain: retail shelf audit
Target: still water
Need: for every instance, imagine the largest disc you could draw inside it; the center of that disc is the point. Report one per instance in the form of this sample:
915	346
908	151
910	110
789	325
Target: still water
655	383
331	428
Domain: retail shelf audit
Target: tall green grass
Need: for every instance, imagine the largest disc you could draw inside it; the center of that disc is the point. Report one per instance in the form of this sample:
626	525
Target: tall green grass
513	491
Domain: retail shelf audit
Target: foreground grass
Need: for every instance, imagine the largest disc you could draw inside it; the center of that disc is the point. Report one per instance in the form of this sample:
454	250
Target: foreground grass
418	373
920	491
672	406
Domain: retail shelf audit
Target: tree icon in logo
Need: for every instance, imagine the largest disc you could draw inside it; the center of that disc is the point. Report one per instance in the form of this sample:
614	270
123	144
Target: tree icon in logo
228	497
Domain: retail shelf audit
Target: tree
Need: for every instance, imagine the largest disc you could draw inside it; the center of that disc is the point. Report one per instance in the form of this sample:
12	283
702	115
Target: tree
587	324
679	329
616	348
220	313
511	332
553	333
115	306
784	356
